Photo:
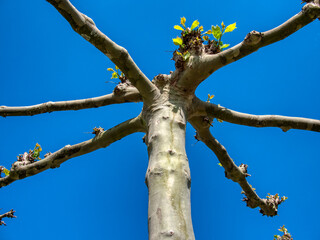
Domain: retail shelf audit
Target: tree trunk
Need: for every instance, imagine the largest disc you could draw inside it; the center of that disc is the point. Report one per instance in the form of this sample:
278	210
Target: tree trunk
168	175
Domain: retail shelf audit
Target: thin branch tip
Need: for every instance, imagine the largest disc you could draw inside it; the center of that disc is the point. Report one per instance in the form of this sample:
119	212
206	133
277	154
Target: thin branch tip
9	214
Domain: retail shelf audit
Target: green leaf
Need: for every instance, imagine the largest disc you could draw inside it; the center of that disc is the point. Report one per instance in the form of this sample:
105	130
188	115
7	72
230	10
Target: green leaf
224	46
283	229
6	171
114	75
223	26
36	153
231	27
178	28
210	97
179	53
177	41
183	21
110	69
216	32
38	147
186	56
205	38
194	25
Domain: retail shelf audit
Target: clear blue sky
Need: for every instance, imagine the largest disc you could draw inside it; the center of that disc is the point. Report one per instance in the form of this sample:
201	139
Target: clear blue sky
102	195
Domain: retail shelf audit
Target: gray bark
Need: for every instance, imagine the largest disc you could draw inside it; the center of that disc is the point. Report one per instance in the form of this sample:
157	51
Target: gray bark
169	103
85	26
120	95
168	175
23	169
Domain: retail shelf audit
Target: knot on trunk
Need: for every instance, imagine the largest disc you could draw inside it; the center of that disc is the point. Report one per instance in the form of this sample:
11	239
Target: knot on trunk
312	9
253	38
121	88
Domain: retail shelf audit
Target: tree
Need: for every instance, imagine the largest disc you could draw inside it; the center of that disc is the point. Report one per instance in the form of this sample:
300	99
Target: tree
88	171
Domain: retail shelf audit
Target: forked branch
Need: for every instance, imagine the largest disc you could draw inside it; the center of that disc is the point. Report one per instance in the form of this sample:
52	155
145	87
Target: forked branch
23	169
85	26
237	174
130	94
228	115
256	40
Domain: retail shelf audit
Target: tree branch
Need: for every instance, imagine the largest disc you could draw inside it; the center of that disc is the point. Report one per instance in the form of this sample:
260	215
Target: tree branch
9	214
129	94
23	169
117	54
232	171
256	40
201	108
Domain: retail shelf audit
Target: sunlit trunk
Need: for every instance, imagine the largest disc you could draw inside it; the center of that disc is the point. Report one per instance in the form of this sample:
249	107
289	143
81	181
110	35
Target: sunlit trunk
168	175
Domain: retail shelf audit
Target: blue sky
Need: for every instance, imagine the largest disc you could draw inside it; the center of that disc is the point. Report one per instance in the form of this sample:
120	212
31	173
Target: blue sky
102	195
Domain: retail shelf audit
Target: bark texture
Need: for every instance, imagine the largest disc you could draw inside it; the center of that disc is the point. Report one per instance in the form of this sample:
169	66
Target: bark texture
168	175
23	169
169	103
9	214
86	27
120	95
201	108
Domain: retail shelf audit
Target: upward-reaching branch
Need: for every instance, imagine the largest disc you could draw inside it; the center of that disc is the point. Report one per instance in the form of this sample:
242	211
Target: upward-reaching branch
256	40
23	169
85	26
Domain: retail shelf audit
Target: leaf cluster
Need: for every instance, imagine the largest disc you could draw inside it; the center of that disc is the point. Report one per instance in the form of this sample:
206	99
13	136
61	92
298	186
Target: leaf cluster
217	32
192	38
286	235
117	74
273	201
31	156
276	196
26	158
209	97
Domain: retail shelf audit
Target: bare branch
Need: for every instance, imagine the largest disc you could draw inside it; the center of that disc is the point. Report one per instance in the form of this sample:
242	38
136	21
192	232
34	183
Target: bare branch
228	115
130	94
23	169
256	40
232	171
9	214
85	26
